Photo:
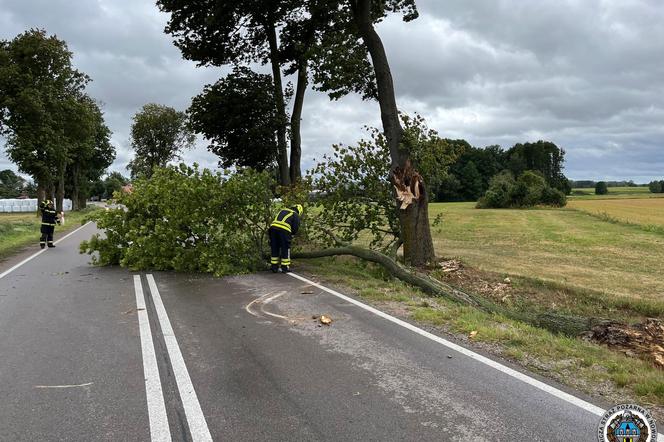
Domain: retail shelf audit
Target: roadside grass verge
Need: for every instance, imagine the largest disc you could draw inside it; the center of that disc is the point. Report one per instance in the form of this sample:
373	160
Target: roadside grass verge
588	367
18	230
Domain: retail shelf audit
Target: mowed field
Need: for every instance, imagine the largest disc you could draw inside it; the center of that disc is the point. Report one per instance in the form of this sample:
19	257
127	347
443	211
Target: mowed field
565	246
648	212
614	192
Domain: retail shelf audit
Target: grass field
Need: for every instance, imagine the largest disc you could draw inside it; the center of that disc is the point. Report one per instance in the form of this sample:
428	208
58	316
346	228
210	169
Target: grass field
614	193
648	213
18	230
564	246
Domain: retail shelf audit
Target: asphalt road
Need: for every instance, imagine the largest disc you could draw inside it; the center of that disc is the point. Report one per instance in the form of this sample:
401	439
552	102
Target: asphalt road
235	359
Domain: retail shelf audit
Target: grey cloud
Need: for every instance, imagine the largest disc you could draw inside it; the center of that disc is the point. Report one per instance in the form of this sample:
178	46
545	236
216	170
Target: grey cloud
585	74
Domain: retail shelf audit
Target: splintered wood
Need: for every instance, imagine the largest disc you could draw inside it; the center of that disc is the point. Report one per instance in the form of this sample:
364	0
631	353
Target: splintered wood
406	183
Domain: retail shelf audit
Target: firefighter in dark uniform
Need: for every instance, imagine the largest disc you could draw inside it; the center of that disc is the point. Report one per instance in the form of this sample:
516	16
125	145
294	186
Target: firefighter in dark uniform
49	219
282	229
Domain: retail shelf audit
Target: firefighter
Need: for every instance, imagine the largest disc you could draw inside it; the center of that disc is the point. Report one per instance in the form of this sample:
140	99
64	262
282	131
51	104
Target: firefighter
282	229
49	219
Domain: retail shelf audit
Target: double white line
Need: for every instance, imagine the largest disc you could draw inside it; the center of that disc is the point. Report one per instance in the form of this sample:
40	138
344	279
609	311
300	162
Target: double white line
159	430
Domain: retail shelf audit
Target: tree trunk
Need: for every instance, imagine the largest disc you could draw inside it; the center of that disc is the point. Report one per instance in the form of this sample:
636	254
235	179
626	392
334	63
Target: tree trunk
554	322
75	186
410	191
60	190
296	118
41	191
282	154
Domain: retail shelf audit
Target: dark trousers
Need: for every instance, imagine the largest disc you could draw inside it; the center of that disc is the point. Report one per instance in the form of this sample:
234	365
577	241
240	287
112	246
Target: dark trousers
46	235
280	242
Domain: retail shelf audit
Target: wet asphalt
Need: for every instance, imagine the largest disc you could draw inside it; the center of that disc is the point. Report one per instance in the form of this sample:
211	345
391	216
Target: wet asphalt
263	368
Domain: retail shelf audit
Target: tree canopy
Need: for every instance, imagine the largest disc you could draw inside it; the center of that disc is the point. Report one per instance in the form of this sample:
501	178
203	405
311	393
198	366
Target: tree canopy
158	135
238	116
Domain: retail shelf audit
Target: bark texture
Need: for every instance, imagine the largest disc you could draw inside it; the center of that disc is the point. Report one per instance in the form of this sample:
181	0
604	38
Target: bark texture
282	154
296	118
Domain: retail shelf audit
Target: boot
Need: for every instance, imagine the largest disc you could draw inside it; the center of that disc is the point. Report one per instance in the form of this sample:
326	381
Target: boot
285	269
42	245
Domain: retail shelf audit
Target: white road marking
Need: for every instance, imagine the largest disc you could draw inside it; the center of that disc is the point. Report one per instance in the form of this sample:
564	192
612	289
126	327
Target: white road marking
471	354
31	257
192	408
159	430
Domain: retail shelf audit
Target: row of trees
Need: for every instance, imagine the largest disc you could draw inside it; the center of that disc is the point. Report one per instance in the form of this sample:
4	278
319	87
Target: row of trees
55	132
330	44
656	186
470	176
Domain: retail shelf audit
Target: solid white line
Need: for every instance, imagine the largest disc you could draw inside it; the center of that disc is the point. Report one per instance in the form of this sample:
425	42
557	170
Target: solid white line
490	362
159	430
31	257
192	408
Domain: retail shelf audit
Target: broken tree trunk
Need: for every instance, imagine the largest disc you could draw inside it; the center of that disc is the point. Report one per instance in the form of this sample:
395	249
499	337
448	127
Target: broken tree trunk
554	322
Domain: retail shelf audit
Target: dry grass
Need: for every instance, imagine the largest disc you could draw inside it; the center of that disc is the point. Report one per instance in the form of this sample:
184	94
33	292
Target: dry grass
646	212
563	246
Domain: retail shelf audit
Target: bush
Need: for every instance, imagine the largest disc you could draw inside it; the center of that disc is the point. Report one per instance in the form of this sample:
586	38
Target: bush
553	197
601	188
186	220
530	189
499	193
656	186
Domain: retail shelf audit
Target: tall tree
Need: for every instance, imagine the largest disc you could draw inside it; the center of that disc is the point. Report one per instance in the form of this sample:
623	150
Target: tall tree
11	184
38	87
91	151
238	116
158	135
215	32
356	19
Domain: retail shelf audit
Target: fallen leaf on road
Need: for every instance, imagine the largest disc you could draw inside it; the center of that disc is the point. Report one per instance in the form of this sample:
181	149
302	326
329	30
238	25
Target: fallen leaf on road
326	320
472	334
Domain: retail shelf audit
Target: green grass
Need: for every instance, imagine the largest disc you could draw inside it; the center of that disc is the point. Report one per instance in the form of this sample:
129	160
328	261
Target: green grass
562	246
614	193
18	230
574	362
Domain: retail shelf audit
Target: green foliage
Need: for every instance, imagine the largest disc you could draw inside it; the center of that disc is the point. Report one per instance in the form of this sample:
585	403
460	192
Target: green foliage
656	186
12	185
499	193
238	114
601	188
39	101
159	133
354	197
188	220
529	189
542	156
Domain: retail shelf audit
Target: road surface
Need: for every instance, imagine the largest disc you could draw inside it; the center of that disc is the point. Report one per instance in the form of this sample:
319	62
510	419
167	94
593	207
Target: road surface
92	354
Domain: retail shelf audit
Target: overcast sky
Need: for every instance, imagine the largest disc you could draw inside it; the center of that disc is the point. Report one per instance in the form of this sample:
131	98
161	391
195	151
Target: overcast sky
585	74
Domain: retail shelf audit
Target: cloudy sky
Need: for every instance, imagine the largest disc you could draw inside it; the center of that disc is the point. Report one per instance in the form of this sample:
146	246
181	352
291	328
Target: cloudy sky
585	74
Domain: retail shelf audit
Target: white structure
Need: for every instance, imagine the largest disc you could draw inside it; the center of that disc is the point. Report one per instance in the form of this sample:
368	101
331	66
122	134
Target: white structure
25	205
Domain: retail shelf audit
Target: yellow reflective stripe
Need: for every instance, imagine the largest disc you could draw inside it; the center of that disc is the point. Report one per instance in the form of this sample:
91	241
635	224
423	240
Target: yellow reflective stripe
47	224
281	225
285	262
274	261
287	216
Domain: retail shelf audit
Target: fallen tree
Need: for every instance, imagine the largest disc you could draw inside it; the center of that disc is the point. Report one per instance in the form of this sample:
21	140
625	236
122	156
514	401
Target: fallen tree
554	322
